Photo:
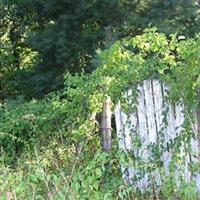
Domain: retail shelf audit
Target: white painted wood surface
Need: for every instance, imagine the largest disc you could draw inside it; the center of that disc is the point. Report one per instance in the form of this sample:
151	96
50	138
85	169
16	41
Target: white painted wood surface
157	123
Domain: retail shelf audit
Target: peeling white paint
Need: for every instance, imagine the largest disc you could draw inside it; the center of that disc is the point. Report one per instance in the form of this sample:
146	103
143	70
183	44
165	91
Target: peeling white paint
148	124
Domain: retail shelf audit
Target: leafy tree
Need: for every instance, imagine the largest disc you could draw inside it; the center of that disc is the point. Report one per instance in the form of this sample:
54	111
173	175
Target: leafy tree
67	33
173	16
15	55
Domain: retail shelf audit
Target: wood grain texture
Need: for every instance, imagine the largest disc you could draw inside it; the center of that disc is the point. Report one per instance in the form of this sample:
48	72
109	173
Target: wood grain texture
106	125
157	122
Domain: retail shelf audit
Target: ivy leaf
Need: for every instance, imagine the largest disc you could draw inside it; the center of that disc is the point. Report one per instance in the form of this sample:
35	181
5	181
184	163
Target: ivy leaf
98	172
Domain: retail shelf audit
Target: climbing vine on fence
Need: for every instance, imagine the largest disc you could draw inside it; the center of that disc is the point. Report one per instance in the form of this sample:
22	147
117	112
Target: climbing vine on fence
173	59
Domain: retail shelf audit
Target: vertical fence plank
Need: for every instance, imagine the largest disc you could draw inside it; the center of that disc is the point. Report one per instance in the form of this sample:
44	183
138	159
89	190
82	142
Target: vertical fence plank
150	111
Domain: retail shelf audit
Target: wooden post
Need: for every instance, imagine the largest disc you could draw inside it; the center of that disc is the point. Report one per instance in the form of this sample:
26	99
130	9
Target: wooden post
106	125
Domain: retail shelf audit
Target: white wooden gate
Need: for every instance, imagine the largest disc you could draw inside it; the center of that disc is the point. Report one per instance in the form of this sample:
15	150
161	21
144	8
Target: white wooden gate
151	135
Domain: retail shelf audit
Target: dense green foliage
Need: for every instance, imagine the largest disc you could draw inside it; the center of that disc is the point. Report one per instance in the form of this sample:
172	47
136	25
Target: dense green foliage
55	128
45	38
53	76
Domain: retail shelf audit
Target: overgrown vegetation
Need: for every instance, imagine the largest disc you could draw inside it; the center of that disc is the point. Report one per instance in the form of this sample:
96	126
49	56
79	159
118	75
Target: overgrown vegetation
52	81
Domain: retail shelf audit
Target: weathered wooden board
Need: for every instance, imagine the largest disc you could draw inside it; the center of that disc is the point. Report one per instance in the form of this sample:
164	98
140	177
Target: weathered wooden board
157	123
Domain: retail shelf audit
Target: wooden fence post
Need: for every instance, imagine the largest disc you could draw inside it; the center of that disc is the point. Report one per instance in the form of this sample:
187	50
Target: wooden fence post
106	125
